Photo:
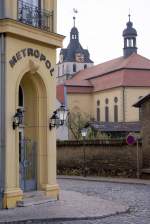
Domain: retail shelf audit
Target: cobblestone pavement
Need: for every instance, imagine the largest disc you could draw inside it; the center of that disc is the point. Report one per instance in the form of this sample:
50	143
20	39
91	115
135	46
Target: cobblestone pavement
135	195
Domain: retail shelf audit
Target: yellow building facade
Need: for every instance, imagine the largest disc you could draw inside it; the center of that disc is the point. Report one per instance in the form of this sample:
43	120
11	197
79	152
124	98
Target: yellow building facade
86	103
28	42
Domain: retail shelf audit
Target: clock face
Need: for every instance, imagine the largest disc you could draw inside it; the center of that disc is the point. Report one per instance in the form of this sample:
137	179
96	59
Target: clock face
79	57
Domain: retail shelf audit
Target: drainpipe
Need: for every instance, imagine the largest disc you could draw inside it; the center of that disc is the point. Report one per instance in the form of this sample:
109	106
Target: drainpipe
2	117
2	9
123	103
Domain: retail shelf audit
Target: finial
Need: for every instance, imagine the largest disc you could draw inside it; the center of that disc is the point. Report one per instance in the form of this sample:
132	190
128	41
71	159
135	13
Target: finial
129	15
74	18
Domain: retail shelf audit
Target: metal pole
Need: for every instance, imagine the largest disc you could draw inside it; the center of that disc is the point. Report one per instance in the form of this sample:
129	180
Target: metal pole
138	161
84	158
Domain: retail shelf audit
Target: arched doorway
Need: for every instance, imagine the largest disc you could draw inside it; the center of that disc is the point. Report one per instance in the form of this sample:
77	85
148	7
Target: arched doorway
32	135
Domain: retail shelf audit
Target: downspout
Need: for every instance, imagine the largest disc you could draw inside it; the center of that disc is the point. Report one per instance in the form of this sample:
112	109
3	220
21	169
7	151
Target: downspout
66	105
2	117
123	103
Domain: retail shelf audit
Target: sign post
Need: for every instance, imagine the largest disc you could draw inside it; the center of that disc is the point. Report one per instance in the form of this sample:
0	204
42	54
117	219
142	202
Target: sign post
131	139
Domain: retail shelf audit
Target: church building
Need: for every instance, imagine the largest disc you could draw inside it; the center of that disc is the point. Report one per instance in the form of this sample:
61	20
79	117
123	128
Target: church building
28	42
107	91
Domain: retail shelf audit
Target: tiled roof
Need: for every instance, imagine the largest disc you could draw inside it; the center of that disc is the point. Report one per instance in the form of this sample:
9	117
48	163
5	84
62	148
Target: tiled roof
135	61
116	126
71	82
60	94
142	100
74	46
131	71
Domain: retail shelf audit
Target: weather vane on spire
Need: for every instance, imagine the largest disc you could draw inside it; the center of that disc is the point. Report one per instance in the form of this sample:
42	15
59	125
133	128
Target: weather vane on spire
74	18
129	15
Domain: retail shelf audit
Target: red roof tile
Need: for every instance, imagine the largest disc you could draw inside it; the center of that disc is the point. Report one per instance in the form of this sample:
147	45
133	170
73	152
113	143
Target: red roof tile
134	61
131	71
60	93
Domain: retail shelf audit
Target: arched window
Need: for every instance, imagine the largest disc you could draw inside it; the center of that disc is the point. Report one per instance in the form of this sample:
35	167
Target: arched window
98	114
115	99
115	113
106	100
140	109
85	66
74	67
63	70
106	113
58	70
98	102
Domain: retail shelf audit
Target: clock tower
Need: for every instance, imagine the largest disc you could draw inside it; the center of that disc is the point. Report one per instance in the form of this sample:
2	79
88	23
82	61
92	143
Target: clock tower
73	58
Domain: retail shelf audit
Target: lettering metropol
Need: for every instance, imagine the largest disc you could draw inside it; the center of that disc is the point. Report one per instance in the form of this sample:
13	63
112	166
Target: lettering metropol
28	46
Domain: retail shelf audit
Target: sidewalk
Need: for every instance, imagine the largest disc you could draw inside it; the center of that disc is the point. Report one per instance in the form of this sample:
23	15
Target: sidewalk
71	206
107	179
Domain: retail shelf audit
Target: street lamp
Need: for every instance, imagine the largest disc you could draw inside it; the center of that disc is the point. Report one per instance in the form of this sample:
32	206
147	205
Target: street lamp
58	117
18	118
84	132
62	113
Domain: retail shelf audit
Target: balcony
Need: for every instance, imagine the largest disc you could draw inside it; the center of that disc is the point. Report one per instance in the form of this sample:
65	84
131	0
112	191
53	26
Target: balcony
34	16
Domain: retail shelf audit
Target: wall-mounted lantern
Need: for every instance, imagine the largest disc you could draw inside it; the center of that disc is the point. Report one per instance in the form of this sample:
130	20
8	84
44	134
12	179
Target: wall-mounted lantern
58	117
18	118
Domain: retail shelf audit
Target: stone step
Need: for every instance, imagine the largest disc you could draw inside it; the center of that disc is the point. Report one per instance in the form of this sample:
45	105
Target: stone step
146	170
34	198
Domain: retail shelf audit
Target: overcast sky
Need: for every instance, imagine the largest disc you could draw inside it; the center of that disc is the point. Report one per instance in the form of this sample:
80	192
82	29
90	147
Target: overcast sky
101	22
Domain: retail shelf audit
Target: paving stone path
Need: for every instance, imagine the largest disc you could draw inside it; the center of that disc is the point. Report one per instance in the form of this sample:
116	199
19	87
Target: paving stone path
137	196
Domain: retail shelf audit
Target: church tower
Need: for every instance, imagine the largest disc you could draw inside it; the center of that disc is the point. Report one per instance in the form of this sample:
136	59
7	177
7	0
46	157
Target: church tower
73	58
129	35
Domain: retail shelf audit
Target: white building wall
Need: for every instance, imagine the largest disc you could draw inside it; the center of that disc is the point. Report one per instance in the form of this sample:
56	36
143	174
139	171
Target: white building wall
67	68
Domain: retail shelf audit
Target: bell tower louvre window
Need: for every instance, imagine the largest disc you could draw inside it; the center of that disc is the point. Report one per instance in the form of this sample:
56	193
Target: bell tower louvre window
30	13
74	68
129	35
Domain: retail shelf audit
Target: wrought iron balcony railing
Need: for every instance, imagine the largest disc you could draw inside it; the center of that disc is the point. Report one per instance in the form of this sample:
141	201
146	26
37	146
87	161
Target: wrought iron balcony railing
34	16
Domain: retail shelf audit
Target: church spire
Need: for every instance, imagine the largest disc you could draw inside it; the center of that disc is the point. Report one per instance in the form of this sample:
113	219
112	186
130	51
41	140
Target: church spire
74	34
74	18
129	35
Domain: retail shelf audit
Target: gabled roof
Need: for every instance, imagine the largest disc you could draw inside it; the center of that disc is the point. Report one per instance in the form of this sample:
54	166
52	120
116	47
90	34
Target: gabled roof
135	61
131	71
116	126
142	100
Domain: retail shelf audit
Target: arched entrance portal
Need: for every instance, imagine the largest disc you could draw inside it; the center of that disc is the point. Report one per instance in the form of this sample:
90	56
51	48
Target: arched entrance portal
32	135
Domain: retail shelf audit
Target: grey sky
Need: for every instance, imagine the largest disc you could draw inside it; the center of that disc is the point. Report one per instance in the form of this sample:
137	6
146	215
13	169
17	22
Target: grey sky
101	22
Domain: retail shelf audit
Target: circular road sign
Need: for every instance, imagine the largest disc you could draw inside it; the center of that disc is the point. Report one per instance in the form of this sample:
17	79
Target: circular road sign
131	139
